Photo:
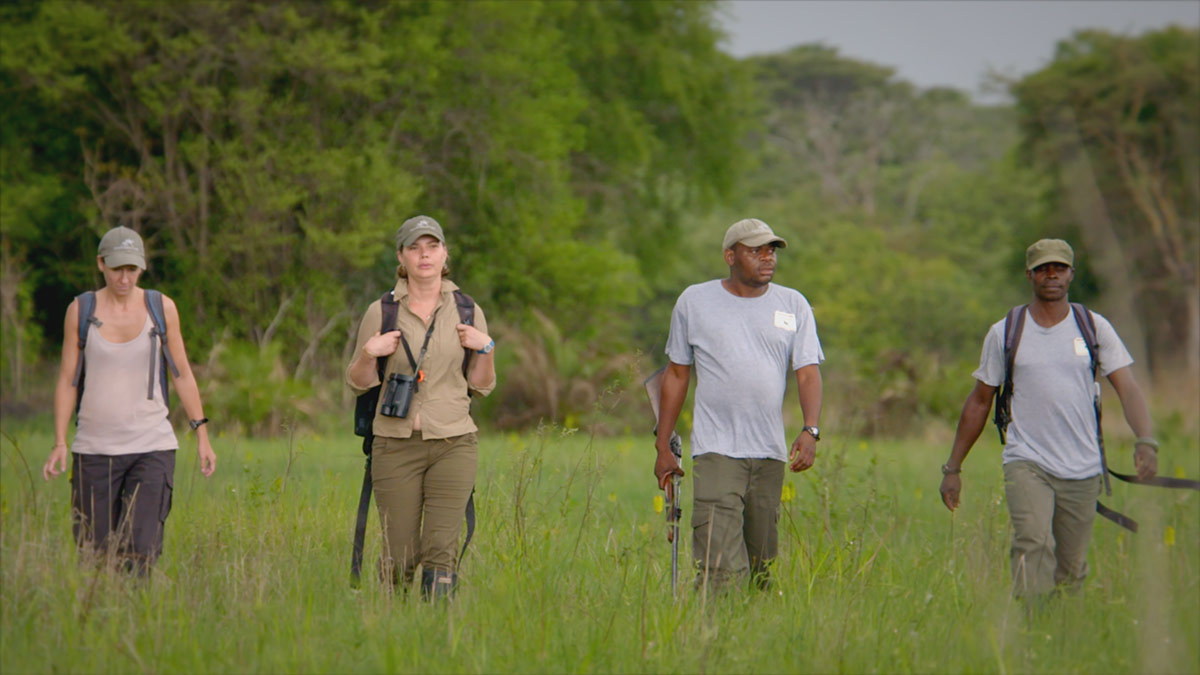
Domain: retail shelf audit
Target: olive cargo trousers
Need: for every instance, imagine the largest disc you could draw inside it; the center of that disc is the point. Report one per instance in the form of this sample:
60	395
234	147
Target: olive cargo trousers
735	517
421	490
1052	527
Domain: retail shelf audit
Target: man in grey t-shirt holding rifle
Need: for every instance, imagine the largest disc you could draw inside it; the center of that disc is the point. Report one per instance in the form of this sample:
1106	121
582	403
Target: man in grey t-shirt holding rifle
743	334
1052	460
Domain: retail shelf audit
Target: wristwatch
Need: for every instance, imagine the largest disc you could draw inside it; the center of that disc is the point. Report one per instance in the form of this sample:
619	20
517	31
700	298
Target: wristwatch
196	424
487	349
816	433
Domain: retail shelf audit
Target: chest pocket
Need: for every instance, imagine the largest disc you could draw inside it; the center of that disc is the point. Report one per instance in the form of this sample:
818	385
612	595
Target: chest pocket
785	321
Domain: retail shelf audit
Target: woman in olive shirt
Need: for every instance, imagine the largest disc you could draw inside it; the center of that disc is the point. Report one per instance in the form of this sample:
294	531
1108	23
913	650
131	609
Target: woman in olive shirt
423	464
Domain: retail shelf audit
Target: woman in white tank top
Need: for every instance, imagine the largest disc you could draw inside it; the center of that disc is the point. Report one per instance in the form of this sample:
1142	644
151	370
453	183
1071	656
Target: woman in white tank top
123	454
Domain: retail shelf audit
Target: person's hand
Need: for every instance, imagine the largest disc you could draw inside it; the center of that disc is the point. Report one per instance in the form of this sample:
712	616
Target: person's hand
804	452
951	488
56	463
1145	460
208	458
382	344
471	337
664	467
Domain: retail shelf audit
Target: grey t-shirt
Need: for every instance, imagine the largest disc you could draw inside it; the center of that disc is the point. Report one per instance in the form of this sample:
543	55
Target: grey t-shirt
1054	423
743	350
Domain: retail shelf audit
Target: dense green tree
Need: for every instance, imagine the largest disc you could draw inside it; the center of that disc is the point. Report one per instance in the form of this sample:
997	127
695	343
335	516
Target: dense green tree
268	151
1114	121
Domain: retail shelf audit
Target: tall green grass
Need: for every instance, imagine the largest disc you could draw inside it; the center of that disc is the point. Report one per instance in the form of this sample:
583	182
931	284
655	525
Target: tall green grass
568	572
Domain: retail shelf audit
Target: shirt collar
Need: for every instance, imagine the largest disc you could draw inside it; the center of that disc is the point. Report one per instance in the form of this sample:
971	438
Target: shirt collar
401	289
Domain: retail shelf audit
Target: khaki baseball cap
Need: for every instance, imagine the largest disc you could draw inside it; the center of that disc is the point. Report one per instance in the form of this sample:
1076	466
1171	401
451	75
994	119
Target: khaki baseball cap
751	232
1047	251
122	246
417	227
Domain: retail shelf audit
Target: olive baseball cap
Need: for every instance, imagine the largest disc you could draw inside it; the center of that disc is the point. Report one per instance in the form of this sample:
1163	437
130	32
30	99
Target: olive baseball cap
1047	251
417	227
122	246
751	232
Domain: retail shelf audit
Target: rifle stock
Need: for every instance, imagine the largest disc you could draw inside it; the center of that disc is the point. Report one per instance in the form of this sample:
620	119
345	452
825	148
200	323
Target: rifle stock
674	509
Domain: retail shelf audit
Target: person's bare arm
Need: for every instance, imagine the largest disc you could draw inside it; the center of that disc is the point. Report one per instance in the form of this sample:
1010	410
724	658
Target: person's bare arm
186	387
1137	415
674	391
808	388
65	393
970	424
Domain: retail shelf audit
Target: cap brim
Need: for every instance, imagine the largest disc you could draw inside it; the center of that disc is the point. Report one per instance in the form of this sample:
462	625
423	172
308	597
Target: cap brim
1049	258
760	239
408	241
114	260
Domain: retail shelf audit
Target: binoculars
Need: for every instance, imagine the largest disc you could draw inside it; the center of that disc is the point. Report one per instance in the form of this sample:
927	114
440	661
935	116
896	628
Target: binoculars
397	396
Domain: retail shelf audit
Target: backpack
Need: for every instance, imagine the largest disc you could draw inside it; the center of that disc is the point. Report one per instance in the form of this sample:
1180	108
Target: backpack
364	421
1014	323
160	353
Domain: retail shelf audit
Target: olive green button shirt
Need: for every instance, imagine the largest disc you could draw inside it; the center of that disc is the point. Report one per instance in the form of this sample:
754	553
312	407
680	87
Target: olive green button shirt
441	401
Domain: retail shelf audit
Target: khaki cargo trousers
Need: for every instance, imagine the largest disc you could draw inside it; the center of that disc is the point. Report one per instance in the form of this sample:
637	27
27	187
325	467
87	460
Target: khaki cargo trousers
734	517
1052	527
421	490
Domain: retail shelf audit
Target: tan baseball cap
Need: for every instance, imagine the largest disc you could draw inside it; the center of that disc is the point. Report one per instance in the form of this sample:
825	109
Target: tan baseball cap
751	232
122	246
417	227
1047	251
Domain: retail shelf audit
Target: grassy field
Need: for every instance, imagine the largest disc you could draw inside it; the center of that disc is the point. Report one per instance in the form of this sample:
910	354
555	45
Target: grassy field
568	572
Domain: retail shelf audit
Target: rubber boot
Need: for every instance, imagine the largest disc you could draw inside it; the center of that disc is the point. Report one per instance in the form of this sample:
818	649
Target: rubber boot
437	584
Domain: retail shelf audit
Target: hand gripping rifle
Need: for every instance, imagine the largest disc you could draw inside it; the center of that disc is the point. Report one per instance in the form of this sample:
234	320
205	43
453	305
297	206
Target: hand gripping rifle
653	385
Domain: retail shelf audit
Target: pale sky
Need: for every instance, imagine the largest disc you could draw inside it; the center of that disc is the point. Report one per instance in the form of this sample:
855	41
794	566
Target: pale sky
942	42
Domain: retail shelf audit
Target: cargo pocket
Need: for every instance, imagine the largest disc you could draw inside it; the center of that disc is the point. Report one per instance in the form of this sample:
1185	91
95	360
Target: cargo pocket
168	490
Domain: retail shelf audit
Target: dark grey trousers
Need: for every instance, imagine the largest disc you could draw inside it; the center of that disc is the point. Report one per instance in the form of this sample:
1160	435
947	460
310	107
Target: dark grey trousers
119	504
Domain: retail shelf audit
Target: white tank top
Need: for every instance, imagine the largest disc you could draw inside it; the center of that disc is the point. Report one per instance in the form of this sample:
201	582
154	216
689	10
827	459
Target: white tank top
115	417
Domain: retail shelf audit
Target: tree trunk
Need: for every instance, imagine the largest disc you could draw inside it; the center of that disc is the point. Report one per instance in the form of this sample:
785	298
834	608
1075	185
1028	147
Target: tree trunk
1086	203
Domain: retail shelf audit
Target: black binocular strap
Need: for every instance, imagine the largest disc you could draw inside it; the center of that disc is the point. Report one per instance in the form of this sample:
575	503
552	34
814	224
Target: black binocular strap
416	365
1158	481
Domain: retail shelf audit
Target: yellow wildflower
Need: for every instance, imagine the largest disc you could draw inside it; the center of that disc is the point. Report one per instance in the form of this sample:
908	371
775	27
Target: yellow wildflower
658	503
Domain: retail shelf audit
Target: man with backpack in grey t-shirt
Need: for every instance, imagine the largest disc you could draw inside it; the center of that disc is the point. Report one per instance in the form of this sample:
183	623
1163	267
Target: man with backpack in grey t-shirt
743	334
1053	461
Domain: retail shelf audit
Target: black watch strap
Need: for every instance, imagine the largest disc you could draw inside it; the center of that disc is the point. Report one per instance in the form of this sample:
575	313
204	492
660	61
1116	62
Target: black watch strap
196	424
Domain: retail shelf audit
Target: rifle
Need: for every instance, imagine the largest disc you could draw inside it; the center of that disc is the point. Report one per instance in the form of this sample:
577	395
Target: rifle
653	385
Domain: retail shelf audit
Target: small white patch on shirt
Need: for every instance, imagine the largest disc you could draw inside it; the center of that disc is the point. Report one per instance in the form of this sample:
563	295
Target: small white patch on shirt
1080	347
785	321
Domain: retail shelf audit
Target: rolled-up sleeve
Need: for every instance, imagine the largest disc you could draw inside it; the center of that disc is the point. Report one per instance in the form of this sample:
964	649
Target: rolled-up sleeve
481	324
366	328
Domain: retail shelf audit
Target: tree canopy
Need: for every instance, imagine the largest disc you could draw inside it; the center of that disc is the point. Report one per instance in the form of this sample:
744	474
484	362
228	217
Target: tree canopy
584	157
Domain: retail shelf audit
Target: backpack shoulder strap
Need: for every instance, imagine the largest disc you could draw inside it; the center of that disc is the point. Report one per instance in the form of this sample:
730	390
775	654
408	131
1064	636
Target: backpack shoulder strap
86	304
1087	328
466	314
158	319
1014	325
154	304
389	309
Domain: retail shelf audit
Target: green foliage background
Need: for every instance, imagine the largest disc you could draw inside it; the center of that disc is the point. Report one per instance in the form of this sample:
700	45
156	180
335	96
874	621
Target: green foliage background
585	158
